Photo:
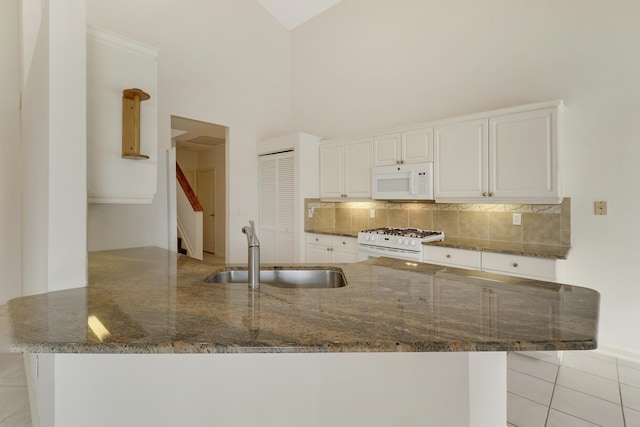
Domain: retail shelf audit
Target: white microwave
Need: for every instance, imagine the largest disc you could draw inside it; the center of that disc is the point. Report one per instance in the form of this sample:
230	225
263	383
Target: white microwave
403	182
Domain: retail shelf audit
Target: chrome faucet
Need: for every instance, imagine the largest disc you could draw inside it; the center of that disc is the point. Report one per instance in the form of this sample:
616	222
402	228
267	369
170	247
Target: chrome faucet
254	255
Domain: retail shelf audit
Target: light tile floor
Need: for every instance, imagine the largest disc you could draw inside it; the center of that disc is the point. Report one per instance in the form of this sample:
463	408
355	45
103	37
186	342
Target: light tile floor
588	389
14	396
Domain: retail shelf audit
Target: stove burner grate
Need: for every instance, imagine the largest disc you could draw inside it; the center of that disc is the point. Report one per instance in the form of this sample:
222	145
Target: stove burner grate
403	232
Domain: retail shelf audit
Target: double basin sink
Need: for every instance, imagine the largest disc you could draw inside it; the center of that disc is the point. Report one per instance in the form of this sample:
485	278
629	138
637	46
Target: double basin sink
310	278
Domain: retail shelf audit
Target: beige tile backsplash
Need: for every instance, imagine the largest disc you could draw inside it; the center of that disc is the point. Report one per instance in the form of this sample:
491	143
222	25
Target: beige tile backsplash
541	224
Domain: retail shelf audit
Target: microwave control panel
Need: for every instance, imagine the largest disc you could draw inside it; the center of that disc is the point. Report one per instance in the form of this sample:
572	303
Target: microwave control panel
421	182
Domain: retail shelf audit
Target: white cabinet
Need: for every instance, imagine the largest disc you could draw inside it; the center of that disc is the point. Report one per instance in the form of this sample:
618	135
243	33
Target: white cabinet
461	258
410	146
461	152
511	156
521	266
323	248
115	63
345	169
523	155
511	265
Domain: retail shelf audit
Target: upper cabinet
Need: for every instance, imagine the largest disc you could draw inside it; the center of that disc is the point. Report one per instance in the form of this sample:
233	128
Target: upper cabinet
345	169
114	64
507	156
411	146
461	151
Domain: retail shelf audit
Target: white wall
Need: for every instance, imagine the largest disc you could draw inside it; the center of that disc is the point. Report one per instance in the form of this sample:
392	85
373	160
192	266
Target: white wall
54	151
371	64
220	62
10	199
188	160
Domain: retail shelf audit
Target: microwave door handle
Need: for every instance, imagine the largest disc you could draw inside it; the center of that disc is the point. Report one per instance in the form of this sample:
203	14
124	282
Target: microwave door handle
412	186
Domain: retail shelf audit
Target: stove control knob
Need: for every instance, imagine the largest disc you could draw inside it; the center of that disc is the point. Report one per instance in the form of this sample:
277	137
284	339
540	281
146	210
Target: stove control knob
373	238
399	241
413	243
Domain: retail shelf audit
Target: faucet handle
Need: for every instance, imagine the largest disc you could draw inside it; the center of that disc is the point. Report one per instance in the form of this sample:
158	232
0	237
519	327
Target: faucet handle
250	231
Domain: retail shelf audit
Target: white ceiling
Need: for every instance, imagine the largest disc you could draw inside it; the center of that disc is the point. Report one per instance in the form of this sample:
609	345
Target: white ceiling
195	135
292	13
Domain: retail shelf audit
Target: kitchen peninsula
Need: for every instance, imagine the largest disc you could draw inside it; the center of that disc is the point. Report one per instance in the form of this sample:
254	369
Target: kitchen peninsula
430	343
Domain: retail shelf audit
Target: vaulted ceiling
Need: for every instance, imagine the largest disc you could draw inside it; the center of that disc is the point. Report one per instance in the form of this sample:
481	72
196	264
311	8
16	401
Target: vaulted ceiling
292	13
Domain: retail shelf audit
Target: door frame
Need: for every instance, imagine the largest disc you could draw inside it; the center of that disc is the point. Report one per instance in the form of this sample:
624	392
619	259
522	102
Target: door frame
215	202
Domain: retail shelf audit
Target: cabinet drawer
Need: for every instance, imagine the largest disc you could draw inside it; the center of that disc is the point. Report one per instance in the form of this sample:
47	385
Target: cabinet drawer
319	239
522	266
454	257
344	243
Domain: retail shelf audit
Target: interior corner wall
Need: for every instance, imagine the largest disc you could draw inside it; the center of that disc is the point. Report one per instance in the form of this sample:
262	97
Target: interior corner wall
35	165
53	157
10	182
219	62
365	65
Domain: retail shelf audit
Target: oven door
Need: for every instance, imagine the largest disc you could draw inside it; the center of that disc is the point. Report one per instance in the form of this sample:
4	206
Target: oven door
367	252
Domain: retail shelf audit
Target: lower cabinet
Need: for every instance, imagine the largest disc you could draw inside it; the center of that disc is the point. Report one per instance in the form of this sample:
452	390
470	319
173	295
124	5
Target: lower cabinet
324	248
511	265
460	258
521	266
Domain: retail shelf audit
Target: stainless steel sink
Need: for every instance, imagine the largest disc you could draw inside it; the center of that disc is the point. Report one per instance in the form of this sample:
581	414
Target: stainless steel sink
307	279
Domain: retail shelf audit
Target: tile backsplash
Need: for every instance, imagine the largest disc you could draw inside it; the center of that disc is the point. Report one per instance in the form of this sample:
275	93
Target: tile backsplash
541	224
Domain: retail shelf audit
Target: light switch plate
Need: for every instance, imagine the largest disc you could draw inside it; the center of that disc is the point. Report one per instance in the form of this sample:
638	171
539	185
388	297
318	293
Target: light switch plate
600	208
372	213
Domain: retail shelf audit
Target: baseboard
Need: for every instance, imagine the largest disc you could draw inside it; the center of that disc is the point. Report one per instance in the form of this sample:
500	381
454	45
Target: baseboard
620	353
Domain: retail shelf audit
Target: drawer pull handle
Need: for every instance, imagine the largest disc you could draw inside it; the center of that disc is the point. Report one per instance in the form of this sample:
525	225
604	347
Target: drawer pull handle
316	239
515	265
344	243
448	255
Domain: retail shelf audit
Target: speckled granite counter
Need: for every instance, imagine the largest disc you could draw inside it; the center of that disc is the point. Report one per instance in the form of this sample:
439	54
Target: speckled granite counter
539	251
148	300
333	231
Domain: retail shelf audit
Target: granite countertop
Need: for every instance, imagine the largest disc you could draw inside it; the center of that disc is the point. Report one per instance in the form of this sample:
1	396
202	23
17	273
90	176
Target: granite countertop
539	251
149	300
333	231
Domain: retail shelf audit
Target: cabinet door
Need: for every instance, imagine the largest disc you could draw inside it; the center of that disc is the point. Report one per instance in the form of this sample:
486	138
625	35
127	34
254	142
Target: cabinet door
345	249
357	171
277	208
332	170
523	155
417	146
461	160
318	253
386	150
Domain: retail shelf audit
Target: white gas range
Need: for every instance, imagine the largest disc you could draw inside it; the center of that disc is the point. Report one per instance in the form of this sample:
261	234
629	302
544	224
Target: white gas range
400	243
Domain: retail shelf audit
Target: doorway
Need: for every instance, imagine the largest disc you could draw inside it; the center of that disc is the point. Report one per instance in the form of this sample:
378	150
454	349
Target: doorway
207	194
201	154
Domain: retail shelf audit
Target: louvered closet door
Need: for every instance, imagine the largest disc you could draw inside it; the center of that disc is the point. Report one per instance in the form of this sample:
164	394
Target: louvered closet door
277	208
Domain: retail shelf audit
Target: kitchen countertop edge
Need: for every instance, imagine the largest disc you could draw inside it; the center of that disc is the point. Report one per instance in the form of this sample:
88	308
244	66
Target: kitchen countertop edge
510	248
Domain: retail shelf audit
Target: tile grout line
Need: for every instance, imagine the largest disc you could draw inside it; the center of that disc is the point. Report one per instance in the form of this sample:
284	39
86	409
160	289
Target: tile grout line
553	391
624	421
